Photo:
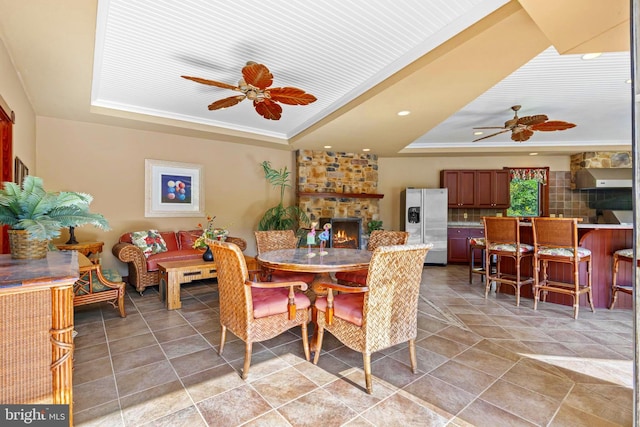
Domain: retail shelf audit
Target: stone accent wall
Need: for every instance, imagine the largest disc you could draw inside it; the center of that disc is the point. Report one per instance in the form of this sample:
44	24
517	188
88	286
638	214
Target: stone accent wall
598	159
339	173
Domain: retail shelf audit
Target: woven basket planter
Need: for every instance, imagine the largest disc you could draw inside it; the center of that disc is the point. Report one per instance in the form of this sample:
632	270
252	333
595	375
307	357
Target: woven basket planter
22	247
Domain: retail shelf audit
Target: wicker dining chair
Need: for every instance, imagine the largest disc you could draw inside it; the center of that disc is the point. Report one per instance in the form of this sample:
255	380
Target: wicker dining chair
381	314
256	311
272	240
376	239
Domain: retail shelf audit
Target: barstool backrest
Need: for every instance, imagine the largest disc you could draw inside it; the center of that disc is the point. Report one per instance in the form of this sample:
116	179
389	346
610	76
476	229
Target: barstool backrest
555	232
501	229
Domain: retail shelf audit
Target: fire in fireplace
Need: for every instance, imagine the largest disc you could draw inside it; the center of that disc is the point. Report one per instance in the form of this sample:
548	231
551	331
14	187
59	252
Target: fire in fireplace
345	232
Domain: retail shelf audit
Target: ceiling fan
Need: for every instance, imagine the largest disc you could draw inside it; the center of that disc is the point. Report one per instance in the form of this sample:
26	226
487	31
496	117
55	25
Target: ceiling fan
254	85
522	127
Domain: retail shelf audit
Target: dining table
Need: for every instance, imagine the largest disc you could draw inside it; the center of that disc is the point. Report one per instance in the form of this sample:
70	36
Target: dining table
322	262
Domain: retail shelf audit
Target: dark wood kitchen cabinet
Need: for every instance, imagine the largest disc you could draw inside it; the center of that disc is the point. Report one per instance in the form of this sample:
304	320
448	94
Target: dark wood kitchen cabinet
492	189
461	187
458	243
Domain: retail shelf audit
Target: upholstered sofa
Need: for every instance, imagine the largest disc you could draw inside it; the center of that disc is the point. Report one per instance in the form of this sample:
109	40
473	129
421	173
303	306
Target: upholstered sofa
143	270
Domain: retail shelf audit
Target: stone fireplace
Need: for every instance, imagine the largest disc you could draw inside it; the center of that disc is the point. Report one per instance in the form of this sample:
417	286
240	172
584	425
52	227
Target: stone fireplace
337	185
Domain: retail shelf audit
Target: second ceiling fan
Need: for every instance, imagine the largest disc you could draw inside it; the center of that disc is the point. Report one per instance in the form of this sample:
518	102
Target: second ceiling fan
522	128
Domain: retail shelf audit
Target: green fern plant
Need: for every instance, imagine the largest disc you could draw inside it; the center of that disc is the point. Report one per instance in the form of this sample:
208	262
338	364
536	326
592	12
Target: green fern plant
281	217
41	213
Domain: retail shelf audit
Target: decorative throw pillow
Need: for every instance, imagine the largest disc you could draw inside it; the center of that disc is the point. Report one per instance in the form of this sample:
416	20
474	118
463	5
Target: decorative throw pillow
149	241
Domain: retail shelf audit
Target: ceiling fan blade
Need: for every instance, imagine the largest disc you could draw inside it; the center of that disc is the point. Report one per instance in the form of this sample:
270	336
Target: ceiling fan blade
291	96
268	109
532	120
226	102
553	125
257	75
491	127
489	136
211	83
521	134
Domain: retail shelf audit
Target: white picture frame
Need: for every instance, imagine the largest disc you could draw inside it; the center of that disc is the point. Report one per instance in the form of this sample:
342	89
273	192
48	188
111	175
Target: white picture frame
173	189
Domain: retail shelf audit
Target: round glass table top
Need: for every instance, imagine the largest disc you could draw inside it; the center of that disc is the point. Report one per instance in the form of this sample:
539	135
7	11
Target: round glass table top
314	260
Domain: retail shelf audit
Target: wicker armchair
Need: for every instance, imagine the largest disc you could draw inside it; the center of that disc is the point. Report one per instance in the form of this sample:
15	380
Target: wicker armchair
380	315
376	239
92	286
256	311
272	240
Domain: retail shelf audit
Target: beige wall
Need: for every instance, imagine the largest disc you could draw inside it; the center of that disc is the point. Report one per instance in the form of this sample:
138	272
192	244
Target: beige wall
24	129
108	163
395	174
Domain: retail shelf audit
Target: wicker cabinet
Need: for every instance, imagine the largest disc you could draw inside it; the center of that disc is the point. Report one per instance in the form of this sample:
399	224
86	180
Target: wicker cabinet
492	189
458	243
36	308
461	187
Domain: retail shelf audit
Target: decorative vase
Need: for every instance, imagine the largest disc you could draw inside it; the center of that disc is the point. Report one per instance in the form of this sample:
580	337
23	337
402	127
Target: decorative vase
207	255
23	247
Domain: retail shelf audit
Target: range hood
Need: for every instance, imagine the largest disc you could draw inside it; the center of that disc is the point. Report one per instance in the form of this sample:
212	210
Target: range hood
604	178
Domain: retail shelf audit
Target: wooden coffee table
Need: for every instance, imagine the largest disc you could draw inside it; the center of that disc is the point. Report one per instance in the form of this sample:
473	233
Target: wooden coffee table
175	273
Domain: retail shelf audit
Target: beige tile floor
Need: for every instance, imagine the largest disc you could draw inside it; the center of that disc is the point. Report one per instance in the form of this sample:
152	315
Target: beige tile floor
482	362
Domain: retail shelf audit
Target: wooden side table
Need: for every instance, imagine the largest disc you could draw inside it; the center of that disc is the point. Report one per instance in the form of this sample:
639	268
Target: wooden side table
88	249
175	273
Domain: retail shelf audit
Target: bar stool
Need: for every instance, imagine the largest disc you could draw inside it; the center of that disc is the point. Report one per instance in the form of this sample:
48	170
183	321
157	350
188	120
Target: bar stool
625	255
476	243
555	240
502	236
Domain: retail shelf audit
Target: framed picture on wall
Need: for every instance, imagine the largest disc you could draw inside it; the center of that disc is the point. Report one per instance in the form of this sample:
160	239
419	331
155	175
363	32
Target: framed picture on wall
20	170
173	189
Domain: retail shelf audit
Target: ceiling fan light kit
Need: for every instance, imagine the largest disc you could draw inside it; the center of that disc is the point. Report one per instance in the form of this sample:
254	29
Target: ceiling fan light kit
522	128
254	85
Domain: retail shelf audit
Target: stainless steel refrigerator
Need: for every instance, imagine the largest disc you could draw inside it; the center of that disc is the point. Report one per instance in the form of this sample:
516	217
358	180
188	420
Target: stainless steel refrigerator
424	216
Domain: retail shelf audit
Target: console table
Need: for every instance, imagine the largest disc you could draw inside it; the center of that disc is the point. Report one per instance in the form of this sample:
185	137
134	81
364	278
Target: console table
36	325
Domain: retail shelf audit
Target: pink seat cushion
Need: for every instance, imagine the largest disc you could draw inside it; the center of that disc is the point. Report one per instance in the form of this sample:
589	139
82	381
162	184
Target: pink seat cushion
358	276
292	276
345	306
267	302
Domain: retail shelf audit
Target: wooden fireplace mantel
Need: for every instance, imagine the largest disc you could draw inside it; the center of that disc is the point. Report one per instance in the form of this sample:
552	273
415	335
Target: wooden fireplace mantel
341	195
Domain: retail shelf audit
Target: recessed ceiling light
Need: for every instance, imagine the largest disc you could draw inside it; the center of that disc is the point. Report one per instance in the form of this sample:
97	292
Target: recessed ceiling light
533	154
404	113
478	132
366	149
327	146
591	55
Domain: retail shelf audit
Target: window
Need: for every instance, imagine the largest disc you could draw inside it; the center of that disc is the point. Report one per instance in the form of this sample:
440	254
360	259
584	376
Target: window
529	192
525	198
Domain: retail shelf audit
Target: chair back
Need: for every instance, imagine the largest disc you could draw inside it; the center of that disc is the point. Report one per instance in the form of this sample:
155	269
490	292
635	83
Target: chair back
236	305
555	232
501	230
390	308
272	240
387	238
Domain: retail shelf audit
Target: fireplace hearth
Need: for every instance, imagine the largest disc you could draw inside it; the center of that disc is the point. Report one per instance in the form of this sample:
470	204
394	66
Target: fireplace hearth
345	232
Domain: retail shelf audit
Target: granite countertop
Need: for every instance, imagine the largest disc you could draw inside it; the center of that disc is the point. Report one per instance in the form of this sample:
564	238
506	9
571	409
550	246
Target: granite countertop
471	224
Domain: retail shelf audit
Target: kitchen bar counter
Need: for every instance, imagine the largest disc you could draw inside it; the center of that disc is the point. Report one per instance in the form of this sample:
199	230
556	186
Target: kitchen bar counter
470	224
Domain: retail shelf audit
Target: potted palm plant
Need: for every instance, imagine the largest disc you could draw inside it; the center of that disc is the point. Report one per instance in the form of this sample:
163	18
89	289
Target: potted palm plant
35	216
281	217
